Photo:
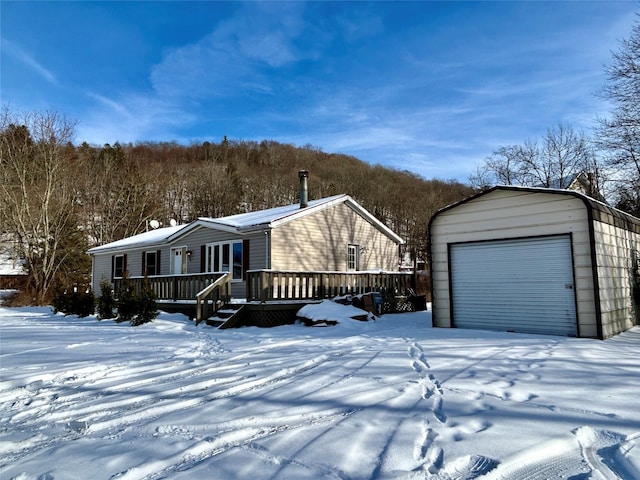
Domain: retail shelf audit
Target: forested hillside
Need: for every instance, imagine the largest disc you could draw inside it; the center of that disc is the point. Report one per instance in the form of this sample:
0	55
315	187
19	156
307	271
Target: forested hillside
60	198
126	185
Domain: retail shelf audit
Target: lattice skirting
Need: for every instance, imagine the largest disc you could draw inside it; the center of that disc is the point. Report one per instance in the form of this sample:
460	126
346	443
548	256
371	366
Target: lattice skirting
270	318
398	306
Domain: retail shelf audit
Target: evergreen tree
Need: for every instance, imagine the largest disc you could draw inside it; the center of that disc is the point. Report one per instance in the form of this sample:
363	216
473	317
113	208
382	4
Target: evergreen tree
147	307
106	303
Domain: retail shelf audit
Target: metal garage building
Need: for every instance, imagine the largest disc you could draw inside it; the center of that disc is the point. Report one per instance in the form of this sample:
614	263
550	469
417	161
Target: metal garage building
535	260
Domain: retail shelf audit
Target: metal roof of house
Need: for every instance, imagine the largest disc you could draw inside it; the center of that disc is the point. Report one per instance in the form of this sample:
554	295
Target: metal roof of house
274	217
245	222
261	218
152	237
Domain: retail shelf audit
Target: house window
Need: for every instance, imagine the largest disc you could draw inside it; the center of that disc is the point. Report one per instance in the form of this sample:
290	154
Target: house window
225	257
237	260
151	263
119	266
353	257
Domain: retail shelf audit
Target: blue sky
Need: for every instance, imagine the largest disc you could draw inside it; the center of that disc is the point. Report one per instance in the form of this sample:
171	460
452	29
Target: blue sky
429	87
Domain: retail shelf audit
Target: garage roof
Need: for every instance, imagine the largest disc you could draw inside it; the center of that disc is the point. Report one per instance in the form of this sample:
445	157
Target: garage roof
598	210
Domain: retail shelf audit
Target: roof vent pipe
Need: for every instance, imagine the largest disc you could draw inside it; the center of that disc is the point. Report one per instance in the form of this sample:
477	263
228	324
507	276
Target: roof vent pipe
304	192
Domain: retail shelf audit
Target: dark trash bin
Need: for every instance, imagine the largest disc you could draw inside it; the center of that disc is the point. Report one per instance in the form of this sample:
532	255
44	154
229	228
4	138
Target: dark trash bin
377	302
419	302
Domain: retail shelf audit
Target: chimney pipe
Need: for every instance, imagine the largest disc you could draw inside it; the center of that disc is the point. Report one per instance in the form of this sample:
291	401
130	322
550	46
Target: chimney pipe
304	193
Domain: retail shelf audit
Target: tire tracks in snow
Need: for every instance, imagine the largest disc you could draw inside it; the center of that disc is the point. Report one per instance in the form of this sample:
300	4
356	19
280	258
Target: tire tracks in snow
106	388
62	413
586	453
245	432
239	434
236	386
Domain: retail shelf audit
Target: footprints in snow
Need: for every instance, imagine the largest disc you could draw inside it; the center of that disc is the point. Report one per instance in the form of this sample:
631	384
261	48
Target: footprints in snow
426	452
428	383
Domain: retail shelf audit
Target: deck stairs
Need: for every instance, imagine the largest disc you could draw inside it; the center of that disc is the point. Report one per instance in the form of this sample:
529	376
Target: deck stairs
230	315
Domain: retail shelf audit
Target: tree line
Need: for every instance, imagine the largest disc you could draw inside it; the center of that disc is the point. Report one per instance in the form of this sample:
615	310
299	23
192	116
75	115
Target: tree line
60	199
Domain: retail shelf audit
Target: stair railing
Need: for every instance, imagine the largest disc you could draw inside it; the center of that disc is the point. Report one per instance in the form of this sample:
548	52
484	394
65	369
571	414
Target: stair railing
222	286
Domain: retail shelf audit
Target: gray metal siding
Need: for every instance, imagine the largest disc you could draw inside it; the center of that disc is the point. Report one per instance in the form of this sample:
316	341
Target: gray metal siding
192	241
522	285
202	236
195	239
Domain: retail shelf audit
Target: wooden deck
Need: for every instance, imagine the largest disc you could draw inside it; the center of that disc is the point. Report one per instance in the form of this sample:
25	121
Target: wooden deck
277	285
272	296
198	296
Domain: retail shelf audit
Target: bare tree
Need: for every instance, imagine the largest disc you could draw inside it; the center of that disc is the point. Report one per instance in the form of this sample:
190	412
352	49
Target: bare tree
39	203
120	195
618	135
554	162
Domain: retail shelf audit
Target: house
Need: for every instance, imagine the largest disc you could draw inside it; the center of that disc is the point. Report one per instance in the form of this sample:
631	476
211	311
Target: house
329	234
12	273
581	182
535	260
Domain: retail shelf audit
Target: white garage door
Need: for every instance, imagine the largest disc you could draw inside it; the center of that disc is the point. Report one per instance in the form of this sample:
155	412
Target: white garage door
523	285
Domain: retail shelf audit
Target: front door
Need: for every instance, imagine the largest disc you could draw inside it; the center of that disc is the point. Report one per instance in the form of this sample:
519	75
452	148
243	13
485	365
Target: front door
179	265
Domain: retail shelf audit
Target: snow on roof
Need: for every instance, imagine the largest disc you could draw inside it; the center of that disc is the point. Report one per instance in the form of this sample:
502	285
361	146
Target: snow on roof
152	237
235	222
11	266
268	216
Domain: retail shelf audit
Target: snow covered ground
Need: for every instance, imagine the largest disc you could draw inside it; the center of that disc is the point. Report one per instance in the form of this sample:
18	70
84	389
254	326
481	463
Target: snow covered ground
386	399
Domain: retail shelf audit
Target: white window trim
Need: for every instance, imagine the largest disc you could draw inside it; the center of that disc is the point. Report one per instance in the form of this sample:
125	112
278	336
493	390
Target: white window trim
353	249
209	261
115	261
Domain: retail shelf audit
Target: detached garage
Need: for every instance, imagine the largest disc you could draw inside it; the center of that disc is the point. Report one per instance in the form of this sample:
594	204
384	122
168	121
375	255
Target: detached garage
535	260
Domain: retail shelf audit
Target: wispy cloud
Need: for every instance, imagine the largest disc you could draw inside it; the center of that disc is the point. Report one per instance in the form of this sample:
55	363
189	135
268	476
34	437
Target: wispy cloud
117	107
239	52
130	119
19	54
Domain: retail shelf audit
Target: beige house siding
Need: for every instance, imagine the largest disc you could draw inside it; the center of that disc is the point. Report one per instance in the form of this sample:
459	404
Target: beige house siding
315	238
615	249
500	215
318	242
